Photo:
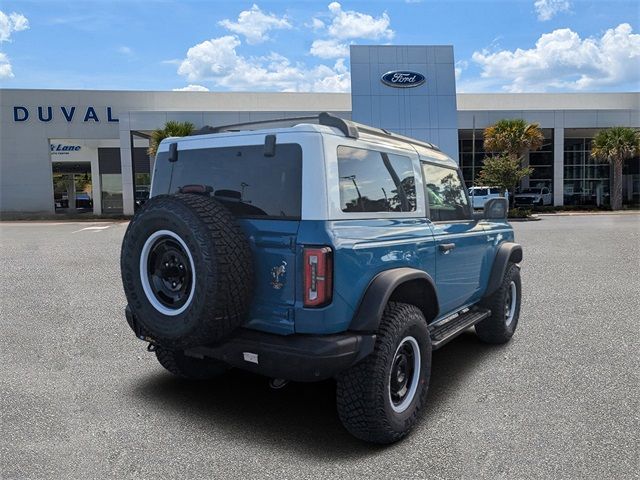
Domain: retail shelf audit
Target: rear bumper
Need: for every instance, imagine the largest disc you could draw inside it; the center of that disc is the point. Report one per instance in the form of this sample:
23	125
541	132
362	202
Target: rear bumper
298	357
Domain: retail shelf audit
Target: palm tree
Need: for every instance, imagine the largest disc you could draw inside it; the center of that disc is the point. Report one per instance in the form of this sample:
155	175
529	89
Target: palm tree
513	137
510	139
171	129
615	145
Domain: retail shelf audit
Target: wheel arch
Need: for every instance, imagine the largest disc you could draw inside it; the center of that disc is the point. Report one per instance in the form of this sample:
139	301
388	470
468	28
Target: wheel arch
406	285
508	252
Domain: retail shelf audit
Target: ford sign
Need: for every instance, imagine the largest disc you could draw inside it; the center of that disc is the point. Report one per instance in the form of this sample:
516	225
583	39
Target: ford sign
402	79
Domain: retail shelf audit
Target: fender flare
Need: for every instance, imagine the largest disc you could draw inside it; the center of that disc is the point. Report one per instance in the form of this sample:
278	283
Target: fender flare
507	252
382	287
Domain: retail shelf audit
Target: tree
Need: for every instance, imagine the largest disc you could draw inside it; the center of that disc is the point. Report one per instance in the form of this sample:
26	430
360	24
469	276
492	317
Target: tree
171	129
505	172
513	137
615	145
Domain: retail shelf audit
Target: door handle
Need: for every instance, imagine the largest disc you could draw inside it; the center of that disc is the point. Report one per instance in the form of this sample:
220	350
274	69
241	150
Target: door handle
446	247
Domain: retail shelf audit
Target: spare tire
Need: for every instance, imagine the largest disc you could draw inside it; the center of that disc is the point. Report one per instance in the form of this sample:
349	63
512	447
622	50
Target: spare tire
187	270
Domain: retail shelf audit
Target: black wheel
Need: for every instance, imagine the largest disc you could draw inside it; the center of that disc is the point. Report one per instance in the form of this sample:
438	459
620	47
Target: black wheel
504	304
380	399
187	270
189	367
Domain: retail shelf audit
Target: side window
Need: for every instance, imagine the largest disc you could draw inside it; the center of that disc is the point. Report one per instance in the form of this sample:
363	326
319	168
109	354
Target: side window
372	181
445	194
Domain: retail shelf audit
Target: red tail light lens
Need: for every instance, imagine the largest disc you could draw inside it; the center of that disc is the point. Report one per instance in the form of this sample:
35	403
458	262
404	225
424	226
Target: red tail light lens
318	276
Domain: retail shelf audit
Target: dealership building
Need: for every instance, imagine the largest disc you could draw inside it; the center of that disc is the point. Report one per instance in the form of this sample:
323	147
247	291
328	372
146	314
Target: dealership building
85	151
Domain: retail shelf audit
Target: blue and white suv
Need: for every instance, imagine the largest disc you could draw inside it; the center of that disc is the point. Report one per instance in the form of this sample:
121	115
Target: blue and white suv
320	250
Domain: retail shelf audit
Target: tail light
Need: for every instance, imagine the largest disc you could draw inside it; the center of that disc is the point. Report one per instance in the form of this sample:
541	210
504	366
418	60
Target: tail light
318	276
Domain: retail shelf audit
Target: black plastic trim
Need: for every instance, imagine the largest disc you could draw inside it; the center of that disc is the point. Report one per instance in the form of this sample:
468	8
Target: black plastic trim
378	293
298	357
507	252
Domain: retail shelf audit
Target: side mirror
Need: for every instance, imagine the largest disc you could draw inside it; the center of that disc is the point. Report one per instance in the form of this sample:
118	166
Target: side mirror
496	209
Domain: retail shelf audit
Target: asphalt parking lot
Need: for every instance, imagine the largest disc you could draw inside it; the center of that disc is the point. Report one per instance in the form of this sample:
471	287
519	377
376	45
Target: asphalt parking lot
81	398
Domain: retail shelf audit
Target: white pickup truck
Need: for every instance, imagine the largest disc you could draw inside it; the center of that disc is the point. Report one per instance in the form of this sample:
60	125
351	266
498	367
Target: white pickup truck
481	195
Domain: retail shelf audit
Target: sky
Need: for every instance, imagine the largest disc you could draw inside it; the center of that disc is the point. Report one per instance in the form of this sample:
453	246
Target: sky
499	46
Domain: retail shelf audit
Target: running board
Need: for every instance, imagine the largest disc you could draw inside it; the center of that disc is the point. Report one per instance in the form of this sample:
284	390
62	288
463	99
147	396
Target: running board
449	330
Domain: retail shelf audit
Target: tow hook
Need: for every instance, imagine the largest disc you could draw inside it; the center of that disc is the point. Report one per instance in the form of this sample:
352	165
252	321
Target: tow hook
152	347
278	383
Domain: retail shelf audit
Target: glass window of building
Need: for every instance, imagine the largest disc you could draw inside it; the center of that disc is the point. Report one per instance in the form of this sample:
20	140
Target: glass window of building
586	180
542	163
472	157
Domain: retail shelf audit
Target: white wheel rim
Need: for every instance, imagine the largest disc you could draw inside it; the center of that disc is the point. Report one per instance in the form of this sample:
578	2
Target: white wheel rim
510	309
144	278
415	380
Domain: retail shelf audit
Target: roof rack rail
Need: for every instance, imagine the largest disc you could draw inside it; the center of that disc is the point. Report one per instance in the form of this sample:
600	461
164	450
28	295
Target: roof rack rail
349	128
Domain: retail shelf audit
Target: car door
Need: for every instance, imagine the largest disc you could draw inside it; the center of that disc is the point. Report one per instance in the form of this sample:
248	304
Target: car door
461	241
546	196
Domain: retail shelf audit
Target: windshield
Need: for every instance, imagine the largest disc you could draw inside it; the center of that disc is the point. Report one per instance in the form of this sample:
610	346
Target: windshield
535	191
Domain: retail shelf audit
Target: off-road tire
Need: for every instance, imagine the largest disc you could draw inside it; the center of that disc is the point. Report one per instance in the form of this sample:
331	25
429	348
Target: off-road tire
190	368
495	329
363	395
222	263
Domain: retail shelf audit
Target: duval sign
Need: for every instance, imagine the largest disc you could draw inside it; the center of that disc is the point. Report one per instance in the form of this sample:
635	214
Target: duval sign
68	113
402	79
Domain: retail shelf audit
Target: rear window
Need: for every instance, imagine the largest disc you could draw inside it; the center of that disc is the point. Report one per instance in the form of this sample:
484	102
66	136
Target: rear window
372	181
243	179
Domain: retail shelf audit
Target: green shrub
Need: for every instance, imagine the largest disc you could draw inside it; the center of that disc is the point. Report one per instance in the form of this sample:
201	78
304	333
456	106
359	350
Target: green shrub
519	212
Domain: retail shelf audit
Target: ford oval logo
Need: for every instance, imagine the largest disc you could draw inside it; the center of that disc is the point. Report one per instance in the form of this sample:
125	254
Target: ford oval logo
402	79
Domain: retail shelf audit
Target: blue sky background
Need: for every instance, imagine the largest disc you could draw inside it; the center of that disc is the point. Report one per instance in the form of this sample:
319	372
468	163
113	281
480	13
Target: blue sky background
145	45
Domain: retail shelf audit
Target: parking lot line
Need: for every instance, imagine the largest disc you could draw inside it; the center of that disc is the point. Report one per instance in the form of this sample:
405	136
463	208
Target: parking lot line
95	229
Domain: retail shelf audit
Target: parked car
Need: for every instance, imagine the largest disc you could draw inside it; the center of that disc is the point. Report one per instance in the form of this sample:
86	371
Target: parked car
534	196
481	195
316	251
83	200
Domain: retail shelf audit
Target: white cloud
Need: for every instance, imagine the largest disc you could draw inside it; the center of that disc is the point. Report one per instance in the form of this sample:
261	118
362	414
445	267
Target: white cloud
562	60
460	66
217	61
124	50
211	58
14	22
192	88
315	25
346	24
5	67
547	9
330	48
254	24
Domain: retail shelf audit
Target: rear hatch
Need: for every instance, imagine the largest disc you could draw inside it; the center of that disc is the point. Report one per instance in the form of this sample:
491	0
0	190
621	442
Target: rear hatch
264	194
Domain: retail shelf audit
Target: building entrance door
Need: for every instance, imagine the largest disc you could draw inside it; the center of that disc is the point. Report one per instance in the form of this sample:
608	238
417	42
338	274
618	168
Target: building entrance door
72	187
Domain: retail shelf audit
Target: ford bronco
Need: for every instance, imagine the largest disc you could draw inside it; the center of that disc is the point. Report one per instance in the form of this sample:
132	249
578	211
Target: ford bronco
326	249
